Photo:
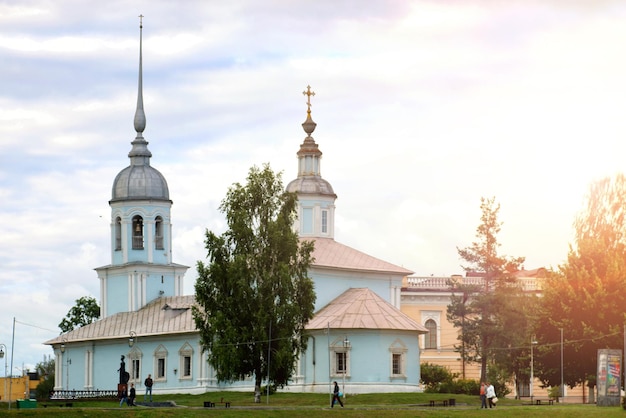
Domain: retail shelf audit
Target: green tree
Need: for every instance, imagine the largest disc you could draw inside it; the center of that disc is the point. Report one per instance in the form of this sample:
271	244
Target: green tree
255	297
45	370
482	311
83	313
433	376
584	300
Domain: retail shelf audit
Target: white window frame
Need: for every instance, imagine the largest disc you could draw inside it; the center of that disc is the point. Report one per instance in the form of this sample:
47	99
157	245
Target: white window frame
186	351
428	338
398	348
324	222
337	348
160	354
435	316
135	355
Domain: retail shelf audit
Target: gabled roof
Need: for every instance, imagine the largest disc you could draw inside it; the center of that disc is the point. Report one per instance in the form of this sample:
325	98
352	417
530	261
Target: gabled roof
361	308
166	315
331	254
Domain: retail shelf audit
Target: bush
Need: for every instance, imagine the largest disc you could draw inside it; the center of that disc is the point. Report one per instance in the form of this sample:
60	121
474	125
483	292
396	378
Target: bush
438	379
434	376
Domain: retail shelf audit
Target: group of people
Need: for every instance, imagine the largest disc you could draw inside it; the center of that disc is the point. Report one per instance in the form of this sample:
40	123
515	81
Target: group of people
487	395
128	396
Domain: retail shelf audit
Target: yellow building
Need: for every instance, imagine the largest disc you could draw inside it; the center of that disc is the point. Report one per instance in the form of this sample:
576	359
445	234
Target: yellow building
425	299
22	387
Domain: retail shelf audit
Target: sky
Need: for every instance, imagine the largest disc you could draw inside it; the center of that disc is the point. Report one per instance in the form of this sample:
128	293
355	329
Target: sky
422	108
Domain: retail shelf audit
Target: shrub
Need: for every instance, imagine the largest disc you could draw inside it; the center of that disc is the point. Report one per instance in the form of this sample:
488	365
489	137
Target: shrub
434	376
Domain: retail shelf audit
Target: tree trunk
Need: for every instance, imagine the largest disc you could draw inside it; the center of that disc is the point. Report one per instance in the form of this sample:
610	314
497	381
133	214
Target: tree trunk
483	360
257	390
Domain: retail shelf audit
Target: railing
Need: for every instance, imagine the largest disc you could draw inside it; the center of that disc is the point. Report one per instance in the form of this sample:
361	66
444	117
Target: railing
82	394
446	283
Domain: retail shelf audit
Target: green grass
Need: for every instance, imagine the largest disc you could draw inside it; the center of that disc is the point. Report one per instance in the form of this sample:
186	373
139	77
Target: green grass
315	405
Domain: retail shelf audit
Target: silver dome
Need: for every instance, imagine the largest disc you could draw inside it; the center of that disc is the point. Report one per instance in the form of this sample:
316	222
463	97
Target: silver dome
140	182
311	185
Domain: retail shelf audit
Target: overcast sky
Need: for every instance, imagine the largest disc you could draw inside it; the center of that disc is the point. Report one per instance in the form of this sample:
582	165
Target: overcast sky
423	107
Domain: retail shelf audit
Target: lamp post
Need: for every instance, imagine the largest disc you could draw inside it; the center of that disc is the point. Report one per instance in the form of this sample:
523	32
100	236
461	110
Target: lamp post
5	356
67	366
346	345
330	390
532	364
131	342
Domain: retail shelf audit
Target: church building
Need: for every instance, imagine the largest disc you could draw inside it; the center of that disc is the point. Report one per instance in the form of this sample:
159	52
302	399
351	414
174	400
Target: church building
358	336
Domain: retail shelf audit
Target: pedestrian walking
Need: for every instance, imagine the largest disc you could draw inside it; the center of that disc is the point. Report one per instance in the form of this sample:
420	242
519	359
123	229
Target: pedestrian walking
124	396
132	395
491	394
336	396
483	395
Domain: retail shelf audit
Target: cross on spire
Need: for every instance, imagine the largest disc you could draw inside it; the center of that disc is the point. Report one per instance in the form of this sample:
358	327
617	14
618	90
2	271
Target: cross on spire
141	21
308	93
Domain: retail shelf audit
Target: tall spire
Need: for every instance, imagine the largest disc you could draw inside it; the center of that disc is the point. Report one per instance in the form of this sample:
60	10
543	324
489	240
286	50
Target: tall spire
140	116
140	154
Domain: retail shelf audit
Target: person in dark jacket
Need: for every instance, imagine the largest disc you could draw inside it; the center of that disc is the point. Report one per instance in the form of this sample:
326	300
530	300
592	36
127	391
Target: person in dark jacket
148	384
336	396
132	395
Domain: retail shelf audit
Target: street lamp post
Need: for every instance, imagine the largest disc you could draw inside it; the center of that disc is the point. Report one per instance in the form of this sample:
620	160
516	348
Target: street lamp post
532	364
68	362
132	339
330	390
346	345
4	354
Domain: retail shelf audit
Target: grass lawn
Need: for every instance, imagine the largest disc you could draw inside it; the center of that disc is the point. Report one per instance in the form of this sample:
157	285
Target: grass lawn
314	405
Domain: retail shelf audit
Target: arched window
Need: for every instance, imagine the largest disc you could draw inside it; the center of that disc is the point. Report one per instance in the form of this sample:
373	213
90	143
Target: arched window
137	233
431	337
158	233
118	233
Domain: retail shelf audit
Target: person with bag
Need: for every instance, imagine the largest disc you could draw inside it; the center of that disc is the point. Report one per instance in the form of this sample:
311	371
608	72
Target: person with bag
491	395
336	396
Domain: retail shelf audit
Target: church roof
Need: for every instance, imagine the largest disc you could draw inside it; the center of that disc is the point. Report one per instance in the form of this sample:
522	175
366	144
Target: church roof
166	315
361	308
331	254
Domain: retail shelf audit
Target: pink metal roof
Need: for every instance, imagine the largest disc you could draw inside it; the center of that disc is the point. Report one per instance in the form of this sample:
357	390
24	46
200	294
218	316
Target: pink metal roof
168	315
329	253
362	308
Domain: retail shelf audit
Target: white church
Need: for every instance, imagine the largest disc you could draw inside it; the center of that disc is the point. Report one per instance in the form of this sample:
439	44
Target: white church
358	336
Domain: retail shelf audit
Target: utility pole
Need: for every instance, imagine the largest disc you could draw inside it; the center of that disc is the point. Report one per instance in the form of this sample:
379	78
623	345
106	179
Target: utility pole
561	388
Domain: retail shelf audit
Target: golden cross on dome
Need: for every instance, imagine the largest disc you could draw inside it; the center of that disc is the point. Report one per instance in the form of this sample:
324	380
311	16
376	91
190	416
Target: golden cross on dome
308	93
